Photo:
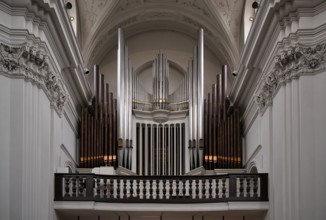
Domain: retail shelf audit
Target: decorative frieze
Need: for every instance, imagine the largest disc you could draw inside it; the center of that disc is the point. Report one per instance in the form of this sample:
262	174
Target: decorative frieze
289	64
32	63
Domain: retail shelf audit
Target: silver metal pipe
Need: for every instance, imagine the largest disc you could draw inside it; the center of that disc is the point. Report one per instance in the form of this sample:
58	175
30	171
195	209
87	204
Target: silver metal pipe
130	114
163	151
225	84
163	80
126	109
160	77
190	104
154	80
169	150
120	95
195	108
175	149
201	84
201	94
167	79
190	83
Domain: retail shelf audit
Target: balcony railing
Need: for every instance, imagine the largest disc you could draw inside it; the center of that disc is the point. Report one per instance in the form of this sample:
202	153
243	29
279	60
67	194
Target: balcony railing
161	189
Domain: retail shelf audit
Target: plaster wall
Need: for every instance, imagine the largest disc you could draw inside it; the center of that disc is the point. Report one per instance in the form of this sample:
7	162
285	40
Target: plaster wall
31	133
5	147
292	139
31	127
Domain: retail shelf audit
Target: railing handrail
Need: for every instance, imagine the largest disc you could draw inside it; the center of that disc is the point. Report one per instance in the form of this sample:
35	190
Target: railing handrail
163	177
162	189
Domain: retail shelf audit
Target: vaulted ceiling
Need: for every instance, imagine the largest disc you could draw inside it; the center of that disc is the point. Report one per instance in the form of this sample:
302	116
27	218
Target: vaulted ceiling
220	19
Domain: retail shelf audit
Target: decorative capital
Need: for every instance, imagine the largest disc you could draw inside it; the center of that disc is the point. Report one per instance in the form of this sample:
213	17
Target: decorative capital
290	64
32	64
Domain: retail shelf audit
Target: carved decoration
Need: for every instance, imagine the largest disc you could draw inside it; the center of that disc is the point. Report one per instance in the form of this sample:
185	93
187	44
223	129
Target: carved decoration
32	64
290	64
196	5
226	8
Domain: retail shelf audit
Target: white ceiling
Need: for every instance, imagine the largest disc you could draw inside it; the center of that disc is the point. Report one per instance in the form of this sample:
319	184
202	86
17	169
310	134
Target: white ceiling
221	20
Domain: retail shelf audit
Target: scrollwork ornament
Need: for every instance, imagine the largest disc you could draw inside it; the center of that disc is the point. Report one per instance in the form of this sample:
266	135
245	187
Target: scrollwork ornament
290	64
32	64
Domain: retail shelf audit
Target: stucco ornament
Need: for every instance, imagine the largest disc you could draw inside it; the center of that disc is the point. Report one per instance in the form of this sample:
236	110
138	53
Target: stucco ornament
289	64
32	64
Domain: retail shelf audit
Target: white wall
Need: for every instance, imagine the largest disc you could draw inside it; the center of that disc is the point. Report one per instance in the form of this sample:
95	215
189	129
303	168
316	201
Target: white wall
32	129
4	147
292	135
31	134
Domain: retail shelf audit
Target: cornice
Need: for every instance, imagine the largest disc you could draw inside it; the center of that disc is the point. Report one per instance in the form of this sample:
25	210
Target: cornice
289	64
46	24
32	63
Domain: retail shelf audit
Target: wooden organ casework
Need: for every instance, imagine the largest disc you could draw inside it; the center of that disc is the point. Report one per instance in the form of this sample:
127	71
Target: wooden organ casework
160	133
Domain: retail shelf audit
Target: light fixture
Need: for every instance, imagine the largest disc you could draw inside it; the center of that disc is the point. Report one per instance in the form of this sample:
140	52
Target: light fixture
68	5
255	5
71	18
251	18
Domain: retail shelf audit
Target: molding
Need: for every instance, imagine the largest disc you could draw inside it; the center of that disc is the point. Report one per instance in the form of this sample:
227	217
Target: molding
289	64
90	206
250	160
71	161
32	64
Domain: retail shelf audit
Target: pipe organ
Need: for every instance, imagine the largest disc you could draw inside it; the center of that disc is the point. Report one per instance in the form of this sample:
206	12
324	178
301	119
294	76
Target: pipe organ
124	103
160	82
98	127
196	103
160	149
160	133
223	147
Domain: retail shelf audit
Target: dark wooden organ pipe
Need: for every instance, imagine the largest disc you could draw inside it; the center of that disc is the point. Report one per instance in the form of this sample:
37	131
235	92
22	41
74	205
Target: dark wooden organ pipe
98	127
222	128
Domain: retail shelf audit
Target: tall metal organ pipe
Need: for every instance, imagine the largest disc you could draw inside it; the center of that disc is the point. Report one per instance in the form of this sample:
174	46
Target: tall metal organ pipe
160	72
124	102
201	95
196	103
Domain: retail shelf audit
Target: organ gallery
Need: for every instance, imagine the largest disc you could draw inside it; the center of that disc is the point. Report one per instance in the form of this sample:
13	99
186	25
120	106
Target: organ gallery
160	132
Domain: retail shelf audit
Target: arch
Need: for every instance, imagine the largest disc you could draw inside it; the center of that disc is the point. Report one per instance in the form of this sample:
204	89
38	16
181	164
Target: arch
252	167
149	63
71	167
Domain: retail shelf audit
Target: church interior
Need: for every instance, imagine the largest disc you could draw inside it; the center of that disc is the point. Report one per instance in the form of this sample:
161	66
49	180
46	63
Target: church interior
162	109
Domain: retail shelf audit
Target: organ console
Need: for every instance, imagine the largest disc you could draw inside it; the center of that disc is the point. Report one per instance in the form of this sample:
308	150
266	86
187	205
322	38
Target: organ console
207	135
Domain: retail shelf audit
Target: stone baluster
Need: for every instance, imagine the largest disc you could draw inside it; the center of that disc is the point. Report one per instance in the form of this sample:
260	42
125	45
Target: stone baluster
255	189
197	188
67	187
74	188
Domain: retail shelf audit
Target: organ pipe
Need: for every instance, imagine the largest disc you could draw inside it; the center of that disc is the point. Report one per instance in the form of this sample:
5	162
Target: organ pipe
160	149
124	103
196	103
214	130
223	148
120	95
200	104
98	126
